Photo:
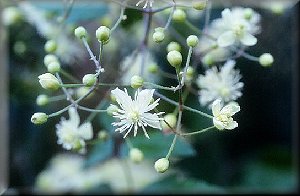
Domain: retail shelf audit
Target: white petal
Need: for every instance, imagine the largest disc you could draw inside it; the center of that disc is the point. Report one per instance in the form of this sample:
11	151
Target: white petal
144	98
86	131
231	109
152	120
216	107
219	125
145	132
226	14
232	125
74	117
248	39
226	39
123	99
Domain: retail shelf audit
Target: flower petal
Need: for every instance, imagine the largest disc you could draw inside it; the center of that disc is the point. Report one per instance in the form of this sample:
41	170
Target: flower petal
144	98
226	39
219	125
86	131
123	99
74	117
232	125
152	120
248	39
231	109
216	107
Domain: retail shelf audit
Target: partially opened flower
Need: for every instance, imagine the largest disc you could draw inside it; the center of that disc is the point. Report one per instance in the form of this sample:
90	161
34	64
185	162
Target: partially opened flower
136	113
71	135
223	115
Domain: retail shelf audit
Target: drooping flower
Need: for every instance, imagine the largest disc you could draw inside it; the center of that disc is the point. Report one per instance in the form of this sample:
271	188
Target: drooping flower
224	84
223	115
71	135
136	113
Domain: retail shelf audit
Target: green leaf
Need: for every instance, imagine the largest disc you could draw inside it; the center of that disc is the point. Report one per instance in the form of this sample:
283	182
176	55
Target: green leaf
158	145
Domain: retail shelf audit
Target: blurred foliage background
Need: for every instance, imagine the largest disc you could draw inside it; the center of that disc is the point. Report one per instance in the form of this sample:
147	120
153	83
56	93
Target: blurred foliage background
258	156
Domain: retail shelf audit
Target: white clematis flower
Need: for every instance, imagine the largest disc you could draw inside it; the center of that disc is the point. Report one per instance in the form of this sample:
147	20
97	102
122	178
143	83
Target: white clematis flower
136	113
223	116
71	135
236	29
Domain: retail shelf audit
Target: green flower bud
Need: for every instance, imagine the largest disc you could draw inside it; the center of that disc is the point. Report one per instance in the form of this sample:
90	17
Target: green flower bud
136	155
158	35
192	40
173	46
277	8
102	135
174	58
82	91
89	79
162	165
11	15
179	15
170	119
54	67
266	59
113	98
80	32
208	60
137	81
189	73
39	118
42	100
50	46
49	81
248	13
153	68
49	58
103	34
199	4
111	109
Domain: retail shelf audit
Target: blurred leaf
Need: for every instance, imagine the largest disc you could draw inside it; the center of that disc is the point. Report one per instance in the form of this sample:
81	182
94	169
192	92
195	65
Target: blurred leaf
158	145
177	184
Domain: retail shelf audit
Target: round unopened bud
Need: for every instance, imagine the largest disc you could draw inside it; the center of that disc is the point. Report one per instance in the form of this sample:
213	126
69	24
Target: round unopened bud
113	98
49	58
137	81
54	67
49	81
173	46
103	135
82	91
158	35
266	59
208	59
42	100
153	68
192	40
50	46
189	73
103	34
277	8
174	58
162	165
89	79
248	13
199	4
171	120
80	32
112	109
39	118
136	155
179	15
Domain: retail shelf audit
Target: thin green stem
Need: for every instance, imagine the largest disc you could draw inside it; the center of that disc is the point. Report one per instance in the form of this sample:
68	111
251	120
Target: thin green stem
56	98
188	60
198	132
59	112
171	147
120	17
99	84
91	110
159	86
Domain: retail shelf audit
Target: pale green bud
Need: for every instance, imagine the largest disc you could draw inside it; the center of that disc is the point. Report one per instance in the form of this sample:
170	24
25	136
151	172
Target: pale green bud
208	59
49	81
137	81
266	59
80	32
173	46
11	15
192	40
42	100
111	109
153	68
189	73
49	58
54	67
136	155
82	91
174	58
113	98
39	118
248	13
277	8
89	79
102	135
170	119
162	165
199	4
179	15
158	35
103	34
50	46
